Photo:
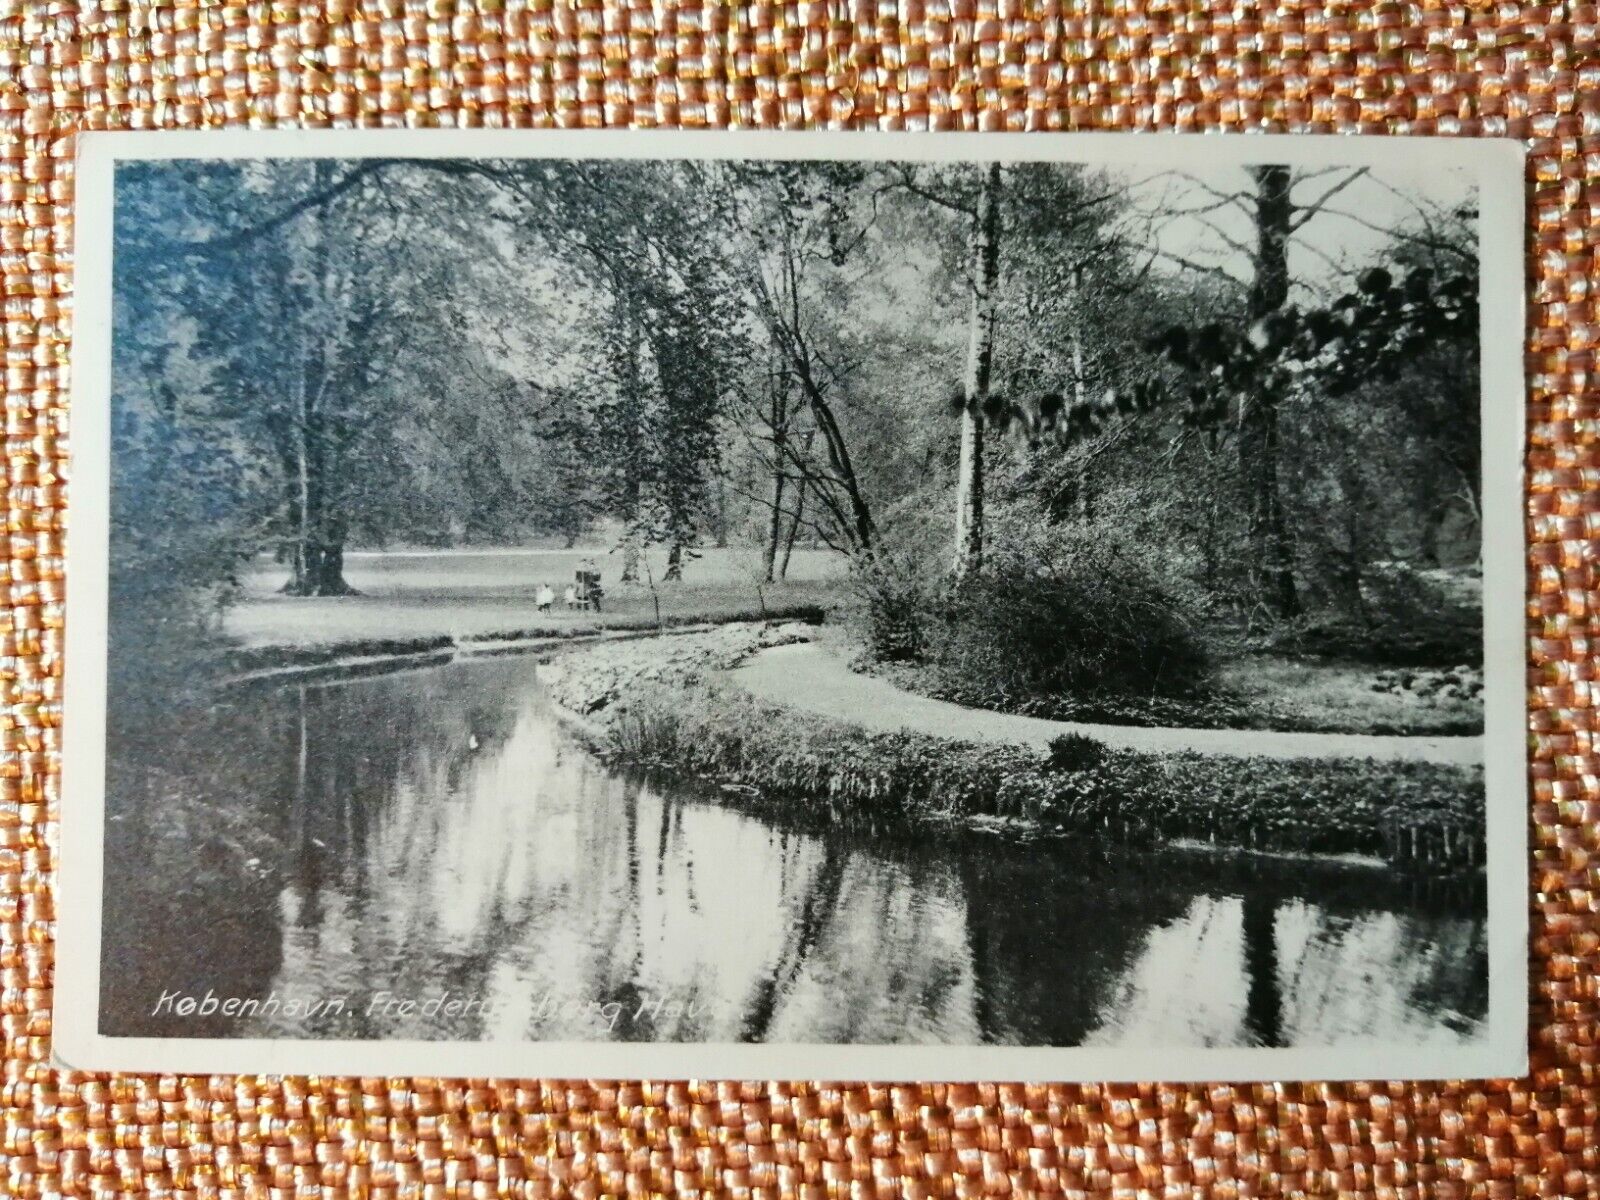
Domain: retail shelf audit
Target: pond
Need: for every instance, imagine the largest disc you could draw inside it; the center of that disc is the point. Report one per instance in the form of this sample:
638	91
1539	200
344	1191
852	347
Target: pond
429	854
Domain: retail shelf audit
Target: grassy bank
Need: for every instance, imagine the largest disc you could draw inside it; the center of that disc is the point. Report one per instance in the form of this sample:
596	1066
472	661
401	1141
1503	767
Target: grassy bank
1252	691
1410	814
1256	692
469	595
332	655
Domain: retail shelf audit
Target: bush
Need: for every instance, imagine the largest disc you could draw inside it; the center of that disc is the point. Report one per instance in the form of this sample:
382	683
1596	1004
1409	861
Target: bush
1075	752
1092	620
703	728
183	526
899	596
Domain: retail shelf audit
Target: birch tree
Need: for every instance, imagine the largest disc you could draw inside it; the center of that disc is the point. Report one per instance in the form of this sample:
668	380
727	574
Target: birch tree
984	280
997	211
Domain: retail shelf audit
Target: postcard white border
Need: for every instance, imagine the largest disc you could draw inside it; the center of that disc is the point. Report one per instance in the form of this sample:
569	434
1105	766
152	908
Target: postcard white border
1499	169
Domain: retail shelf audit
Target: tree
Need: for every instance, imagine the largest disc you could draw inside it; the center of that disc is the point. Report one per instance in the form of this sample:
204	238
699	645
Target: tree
980	367
645	228
329	309
1038	211
1333	363
778	418
635	240
1271	559
286	273
793	225
1275	216
756	351
188	507
767	422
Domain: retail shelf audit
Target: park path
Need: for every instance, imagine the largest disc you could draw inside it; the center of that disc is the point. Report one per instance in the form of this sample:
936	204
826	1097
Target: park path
808	677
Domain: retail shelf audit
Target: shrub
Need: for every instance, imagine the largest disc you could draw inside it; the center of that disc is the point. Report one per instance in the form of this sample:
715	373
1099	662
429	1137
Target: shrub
899	600
185	520
1075	752
1090	620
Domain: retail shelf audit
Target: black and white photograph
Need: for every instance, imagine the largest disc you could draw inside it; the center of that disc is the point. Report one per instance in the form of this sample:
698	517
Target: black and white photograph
835	606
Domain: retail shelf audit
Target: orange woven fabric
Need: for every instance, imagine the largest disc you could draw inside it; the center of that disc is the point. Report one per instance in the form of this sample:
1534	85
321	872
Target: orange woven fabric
1526	70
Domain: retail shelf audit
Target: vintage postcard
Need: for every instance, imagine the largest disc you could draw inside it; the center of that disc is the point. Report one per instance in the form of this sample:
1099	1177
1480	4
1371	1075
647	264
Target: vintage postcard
865	606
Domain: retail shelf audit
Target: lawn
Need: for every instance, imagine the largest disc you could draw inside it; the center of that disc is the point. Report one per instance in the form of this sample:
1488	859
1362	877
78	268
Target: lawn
1355	697
407	594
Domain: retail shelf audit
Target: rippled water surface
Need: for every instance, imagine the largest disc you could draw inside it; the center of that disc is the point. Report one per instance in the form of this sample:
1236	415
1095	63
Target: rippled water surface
435	837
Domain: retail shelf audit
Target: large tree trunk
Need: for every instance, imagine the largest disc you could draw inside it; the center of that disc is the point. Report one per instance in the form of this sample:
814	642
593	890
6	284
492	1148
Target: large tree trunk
856	524
774	527
319	571
1271	564
632	384
630	558
783	315
316	551
980	364
317	450
861	527
316	561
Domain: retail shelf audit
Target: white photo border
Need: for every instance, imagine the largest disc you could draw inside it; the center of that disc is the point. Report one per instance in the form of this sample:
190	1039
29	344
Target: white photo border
1497	167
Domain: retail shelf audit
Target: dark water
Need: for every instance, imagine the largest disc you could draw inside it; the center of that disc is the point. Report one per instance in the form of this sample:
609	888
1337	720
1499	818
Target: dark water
435	837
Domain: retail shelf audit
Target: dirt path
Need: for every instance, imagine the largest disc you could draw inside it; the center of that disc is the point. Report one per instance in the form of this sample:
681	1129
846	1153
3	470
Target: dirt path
806	676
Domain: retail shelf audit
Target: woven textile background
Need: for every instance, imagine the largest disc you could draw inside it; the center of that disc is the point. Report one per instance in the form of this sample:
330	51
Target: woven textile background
1526	70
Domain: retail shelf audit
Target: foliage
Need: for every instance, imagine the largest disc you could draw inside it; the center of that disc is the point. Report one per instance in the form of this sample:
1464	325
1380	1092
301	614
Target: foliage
1371	332
1067	616
182	524
1075	752
1407	618
1054	613
1294	693
899	601
763	352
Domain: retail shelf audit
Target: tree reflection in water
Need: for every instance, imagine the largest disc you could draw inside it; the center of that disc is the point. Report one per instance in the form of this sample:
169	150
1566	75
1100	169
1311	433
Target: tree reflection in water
435	830
1263	1021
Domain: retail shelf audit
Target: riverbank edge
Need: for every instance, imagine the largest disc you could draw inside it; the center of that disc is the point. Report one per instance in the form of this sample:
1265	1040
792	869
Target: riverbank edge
681	717
376	655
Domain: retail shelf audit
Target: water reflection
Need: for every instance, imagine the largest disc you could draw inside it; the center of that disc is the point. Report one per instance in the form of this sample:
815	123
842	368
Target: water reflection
440	838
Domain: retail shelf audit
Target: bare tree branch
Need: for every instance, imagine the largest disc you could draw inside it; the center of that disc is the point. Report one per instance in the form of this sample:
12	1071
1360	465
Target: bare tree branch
1440	244
1309	211
1203	268
1227	238
315	199
908	182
